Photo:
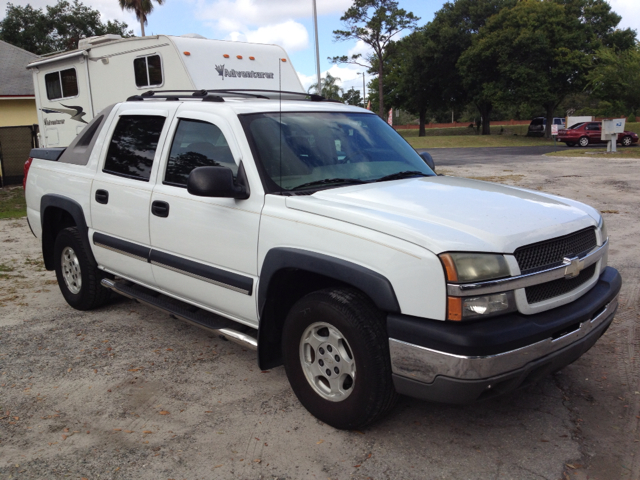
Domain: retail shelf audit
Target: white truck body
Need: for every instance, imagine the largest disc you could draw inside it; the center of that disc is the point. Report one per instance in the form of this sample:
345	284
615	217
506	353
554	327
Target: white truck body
102	72
277	254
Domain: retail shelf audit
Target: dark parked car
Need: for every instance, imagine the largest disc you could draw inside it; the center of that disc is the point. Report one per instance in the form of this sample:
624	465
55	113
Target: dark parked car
538	124
583	134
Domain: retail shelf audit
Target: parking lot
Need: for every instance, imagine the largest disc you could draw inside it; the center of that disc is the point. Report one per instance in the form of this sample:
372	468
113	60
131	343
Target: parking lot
127	392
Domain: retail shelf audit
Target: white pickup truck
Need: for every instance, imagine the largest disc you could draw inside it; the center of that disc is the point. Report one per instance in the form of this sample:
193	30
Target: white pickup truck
311	231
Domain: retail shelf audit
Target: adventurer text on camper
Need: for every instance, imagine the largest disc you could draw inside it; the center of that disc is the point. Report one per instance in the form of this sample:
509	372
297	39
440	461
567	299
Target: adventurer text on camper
242	74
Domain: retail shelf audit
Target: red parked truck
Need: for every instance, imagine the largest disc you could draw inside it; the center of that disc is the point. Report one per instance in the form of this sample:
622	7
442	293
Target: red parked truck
583	134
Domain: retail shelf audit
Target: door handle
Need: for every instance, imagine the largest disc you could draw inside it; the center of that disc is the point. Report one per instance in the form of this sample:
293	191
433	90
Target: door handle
160	209
102	196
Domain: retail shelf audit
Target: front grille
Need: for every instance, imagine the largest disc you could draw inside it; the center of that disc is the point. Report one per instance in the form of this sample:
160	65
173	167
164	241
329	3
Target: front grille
555	288
548	254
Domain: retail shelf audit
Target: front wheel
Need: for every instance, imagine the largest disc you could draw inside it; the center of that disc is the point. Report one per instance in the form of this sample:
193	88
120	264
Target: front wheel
78	276
626	141
336	355
583	142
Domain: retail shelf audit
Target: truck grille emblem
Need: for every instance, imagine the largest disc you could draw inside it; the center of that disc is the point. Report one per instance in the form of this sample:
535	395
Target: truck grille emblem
573	266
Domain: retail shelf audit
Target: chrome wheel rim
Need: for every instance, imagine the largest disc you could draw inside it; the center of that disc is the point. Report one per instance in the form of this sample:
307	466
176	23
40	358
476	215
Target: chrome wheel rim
327	361
584	142
71	270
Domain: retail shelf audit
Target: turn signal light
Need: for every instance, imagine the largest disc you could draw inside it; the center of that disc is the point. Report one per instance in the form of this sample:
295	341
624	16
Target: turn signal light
454	309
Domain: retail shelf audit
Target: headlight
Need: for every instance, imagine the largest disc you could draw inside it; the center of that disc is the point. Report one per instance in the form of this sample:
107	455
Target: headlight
471	268
603	231
474	267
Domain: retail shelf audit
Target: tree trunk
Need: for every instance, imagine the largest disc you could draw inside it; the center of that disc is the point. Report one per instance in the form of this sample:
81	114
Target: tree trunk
142	27
381	111
547	129
485	109
423	120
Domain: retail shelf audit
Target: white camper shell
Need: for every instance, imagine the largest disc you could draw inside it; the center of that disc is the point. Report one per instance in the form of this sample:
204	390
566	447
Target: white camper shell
71	87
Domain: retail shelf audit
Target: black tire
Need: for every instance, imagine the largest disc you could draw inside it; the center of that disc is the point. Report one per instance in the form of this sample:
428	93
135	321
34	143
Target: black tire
626	141
584	141
370	395
83	292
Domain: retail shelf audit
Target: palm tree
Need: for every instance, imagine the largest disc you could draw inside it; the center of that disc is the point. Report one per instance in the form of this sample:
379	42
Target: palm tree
142	8
329	88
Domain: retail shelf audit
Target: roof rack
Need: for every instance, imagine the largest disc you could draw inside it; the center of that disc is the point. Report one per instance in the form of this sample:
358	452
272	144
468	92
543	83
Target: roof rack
216	95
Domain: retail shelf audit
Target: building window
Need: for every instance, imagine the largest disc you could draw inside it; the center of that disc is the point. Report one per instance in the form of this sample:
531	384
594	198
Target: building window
133	146
148	71
61	84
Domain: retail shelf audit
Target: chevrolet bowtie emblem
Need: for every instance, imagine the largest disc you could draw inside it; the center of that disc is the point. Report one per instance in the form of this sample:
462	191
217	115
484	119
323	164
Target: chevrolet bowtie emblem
573	267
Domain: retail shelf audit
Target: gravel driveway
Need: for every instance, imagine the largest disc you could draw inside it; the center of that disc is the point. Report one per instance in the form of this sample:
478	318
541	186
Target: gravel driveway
127	392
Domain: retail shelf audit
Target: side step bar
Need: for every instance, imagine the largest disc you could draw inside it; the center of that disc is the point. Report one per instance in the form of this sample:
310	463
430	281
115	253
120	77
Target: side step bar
183	311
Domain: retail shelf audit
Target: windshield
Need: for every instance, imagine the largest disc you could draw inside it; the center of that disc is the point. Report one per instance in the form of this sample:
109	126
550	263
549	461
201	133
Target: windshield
314	149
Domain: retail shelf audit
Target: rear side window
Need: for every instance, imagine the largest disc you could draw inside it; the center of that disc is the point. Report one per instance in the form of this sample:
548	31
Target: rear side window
61	84
133	146
148	71
197	144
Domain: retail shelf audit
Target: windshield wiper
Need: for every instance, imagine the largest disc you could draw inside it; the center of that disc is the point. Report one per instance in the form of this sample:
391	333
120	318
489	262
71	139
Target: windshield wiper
405	174
326	181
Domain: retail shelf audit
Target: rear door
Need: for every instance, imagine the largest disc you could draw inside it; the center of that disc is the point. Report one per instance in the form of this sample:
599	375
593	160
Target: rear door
121	191
204	250
593	132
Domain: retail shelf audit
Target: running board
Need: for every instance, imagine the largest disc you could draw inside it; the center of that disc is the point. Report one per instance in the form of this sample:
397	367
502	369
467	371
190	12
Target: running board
183	311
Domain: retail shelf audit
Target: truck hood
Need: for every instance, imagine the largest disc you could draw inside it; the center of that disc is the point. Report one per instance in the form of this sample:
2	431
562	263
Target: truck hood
451	214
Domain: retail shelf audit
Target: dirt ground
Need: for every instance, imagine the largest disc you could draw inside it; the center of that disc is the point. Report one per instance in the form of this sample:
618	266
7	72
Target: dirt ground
127	392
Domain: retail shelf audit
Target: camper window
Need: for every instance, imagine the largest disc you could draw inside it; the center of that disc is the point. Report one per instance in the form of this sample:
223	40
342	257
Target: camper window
148	71
133	146
61	84
197	144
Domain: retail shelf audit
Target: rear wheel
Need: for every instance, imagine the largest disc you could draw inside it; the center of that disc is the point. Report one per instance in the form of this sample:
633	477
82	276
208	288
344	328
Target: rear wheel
626	141
78	276
336	355
583	142
570	144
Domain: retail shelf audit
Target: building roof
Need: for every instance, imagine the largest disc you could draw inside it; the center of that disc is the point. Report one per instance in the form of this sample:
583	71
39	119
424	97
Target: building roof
15	79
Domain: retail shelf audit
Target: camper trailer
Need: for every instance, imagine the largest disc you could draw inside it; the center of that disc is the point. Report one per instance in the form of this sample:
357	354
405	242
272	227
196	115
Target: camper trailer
72	87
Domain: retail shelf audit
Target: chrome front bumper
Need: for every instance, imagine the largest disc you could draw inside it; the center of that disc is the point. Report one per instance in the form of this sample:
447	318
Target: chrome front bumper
424	365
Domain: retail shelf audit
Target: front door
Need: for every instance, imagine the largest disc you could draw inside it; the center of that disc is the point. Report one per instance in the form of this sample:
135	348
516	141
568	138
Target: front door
204	250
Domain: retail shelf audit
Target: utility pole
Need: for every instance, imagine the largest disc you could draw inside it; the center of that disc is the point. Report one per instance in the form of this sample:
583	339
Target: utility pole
364	94
315	23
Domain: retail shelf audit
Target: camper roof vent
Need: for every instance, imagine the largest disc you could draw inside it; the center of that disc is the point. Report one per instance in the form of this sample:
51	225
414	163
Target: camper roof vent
92	41
193	35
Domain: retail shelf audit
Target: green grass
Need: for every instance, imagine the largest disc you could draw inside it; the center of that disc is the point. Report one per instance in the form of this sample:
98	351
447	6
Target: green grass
472	141
12	202
633	127
631	152
465	131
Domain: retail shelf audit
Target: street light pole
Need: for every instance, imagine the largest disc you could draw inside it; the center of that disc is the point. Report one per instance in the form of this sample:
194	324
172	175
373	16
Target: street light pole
315	22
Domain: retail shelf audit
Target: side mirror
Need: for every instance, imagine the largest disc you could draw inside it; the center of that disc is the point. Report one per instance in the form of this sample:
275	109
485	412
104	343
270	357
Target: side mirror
218	182
428	159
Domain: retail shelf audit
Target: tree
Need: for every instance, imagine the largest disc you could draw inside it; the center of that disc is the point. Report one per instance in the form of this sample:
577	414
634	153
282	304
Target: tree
374	22
616	77
353	97
539	51
142	9
423	74
59	29
329	87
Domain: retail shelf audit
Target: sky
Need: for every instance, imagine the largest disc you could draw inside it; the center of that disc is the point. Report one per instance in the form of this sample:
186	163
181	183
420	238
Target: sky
288	23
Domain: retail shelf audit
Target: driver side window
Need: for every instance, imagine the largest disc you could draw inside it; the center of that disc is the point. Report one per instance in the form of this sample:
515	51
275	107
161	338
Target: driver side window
196	144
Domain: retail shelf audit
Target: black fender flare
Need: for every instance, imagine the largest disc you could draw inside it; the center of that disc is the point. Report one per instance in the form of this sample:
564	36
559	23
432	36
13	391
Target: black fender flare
377	287
74	209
